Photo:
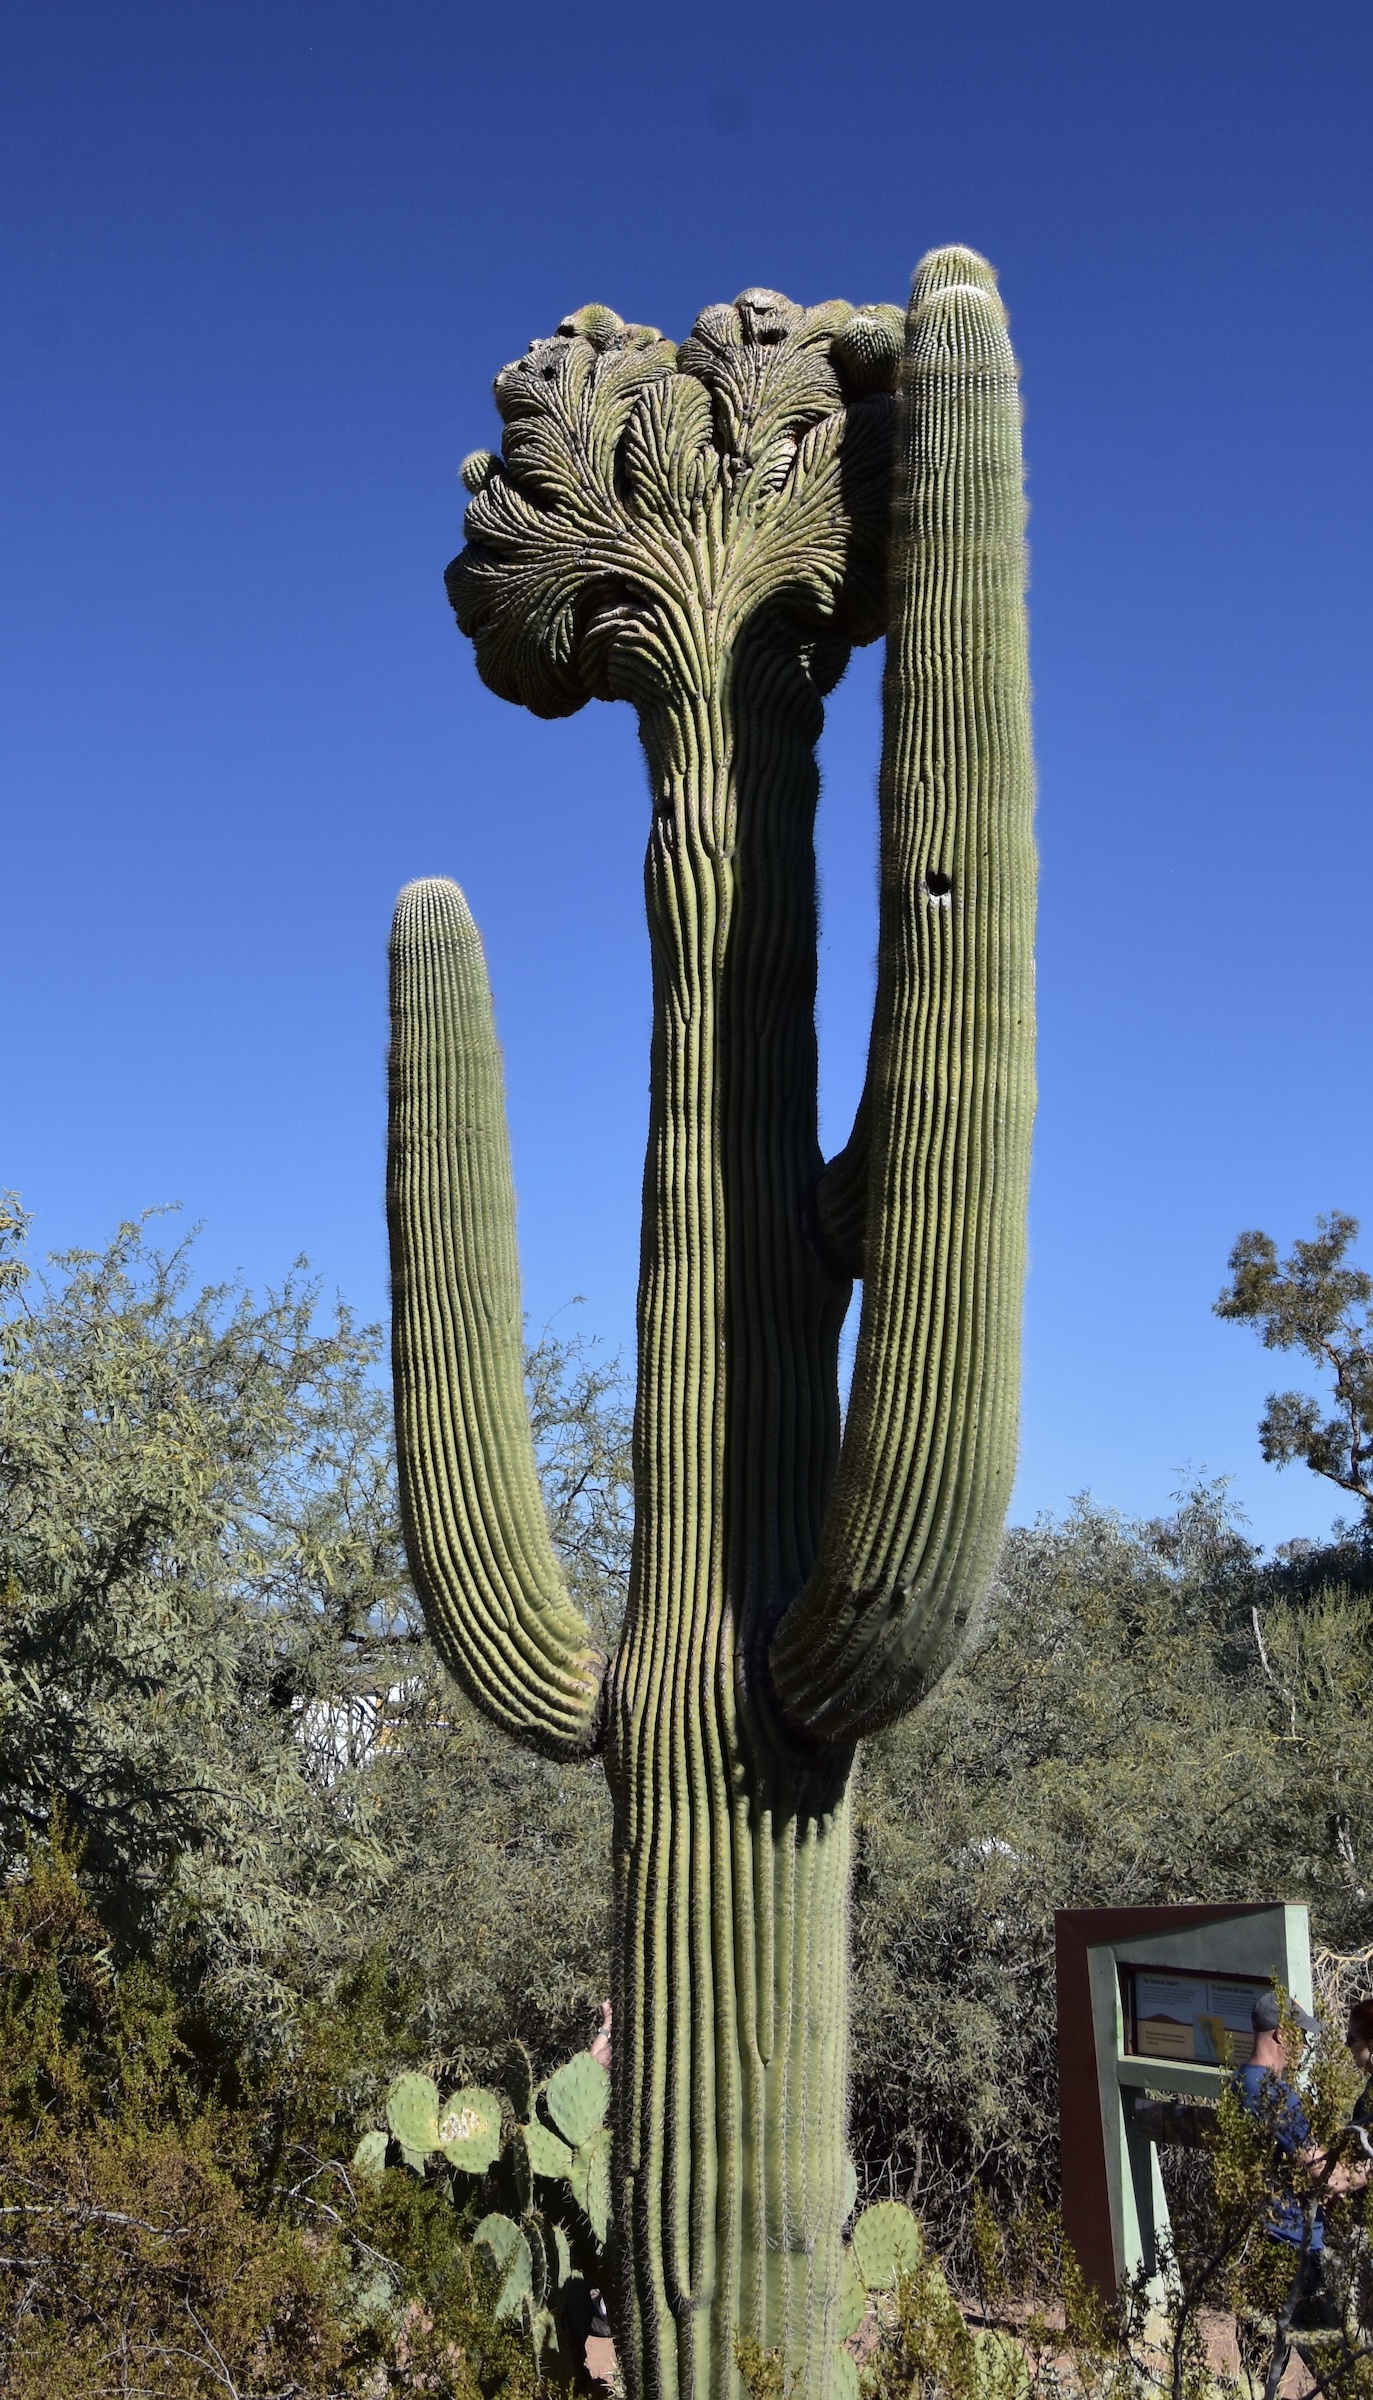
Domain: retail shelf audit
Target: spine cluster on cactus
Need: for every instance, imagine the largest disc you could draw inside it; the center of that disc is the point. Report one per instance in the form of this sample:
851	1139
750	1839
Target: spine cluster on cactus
706	531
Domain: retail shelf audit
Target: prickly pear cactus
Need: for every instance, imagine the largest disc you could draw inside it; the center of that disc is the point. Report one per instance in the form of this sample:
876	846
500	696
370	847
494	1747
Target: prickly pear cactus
370	2155
542	2246
705	531
512	2258
412	2112
885	2244
577	2097
470	2130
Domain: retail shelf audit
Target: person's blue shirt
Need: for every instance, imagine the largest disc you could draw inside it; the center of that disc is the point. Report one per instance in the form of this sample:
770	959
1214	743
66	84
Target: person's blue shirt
1277	2106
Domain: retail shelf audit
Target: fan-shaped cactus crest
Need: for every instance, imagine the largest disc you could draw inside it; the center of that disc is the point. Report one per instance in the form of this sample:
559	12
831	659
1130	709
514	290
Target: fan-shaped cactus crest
706	531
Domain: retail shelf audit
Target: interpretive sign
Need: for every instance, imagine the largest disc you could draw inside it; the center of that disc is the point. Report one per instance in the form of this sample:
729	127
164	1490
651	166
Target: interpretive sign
1152	2002
1200	2017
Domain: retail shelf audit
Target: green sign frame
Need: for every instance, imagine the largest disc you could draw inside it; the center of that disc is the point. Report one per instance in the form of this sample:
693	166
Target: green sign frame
1115	2213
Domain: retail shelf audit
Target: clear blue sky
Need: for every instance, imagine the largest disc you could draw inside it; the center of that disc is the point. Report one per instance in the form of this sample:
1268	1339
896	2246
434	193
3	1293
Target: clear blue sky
263	258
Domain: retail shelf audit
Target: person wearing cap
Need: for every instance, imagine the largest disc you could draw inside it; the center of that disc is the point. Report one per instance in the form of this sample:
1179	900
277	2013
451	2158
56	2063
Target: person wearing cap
1359	2037
1266	2092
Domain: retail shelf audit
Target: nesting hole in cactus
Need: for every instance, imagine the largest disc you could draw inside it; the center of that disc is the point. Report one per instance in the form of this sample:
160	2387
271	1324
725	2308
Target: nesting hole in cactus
937	884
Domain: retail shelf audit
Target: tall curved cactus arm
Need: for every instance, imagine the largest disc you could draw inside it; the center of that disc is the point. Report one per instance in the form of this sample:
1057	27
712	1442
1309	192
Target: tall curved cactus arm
475	1527
928	1454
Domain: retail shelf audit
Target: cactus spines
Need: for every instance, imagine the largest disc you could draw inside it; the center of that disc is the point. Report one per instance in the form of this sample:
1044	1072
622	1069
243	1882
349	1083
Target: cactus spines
704	531
589	2176
517	2076
370	2155
507	2247
547	2152
517	2174
886	2244
853	2296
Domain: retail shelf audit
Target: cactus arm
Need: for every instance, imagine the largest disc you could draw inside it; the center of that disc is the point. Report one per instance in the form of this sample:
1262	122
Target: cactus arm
475	1528
841	1196
928	1455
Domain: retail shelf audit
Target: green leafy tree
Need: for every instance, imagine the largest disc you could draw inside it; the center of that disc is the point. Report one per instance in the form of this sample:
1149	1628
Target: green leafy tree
1315	1301
197	1550
497	1915
254	1851
210	1667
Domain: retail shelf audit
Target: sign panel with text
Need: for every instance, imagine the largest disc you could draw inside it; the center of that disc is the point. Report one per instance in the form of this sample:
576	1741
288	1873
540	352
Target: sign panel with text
1171	2013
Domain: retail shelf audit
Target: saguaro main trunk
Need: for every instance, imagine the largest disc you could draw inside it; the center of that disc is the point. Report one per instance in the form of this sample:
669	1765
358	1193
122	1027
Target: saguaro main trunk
704	532
731	1834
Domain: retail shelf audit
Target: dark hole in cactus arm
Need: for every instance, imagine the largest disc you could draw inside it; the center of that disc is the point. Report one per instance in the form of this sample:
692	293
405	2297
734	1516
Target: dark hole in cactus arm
937	884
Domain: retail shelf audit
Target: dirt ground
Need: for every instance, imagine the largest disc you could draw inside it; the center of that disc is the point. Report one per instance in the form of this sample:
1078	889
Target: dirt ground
1222	2353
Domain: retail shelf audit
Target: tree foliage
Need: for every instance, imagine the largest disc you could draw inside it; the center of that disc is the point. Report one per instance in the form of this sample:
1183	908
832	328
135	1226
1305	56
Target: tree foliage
215	1699
1317	1302
197	1548
210	1666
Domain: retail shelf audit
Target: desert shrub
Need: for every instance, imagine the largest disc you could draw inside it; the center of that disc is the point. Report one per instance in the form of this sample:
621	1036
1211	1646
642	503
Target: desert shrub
176	2220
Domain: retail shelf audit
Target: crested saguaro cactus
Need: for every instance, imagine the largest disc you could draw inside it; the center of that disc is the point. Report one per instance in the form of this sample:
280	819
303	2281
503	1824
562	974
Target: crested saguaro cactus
705	531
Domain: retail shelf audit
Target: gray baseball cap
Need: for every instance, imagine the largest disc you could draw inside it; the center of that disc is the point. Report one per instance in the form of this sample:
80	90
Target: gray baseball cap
1266	2016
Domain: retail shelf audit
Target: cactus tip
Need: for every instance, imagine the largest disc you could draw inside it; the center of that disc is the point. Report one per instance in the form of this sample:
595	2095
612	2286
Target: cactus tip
953	263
